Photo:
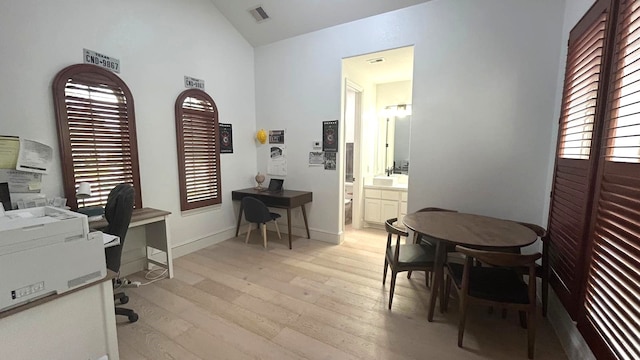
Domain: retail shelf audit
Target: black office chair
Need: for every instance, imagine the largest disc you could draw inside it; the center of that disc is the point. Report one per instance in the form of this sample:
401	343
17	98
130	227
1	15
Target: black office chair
118	214
256	212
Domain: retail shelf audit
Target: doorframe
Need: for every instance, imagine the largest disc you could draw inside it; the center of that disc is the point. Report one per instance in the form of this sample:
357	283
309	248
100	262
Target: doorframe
356	206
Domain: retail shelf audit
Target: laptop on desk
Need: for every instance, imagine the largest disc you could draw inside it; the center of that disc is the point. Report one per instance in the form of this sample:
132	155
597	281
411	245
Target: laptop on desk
275	186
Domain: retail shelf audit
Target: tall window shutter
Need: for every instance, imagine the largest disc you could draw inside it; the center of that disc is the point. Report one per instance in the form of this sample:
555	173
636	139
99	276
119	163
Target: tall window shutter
198	150
96	131
611	317
576	154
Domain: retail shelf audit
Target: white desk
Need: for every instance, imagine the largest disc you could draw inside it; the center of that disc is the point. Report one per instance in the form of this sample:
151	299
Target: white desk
157	233
77	324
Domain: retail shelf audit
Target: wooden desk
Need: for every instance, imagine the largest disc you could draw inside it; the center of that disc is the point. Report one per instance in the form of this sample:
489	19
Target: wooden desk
157	234
77	324
470	230
287	199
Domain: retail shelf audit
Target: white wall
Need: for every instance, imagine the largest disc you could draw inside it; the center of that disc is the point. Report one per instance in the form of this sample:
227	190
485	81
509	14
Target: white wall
483	96
157	42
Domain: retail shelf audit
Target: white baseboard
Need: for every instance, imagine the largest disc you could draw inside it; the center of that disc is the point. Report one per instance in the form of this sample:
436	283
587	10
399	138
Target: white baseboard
212	239
570	338
137	263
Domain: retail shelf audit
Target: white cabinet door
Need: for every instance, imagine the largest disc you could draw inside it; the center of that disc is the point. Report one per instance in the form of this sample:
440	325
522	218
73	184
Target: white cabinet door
372	210
389	209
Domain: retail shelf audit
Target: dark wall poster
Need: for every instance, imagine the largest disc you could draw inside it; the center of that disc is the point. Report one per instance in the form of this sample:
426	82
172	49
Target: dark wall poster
330	135
226	139
276	136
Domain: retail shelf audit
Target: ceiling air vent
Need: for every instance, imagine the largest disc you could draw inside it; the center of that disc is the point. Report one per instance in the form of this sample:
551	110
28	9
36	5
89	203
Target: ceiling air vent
259	14
375	60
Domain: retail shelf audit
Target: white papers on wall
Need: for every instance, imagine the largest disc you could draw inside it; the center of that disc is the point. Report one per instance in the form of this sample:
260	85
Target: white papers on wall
277	160
22	163
34	157
9	148
316	158
21	181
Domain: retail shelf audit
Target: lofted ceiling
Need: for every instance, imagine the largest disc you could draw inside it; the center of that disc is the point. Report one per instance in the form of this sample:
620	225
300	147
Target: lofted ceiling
396	65
289	18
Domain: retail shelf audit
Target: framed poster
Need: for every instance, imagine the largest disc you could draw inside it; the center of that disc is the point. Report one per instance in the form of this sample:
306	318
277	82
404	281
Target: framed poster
276	136
226	139
330	135
330	160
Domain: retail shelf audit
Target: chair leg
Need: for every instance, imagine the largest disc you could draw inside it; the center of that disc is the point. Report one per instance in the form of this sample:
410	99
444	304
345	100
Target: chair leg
264	234
277	229
523	319
447	287
409	274
531	332
463	318
393	286
386	266
246	239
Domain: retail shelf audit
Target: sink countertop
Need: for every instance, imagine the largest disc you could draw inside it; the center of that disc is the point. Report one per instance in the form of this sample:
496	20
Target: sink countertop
387	187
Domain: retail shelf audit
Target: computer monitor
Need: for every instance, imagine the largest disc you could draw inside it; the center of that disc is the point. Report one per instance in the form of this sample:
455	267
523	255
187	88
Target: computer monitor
5	197
275	185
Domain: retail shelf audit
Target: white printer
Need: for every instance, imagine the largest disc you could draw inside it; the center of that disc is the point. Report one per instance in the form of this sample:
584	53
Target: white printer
46	250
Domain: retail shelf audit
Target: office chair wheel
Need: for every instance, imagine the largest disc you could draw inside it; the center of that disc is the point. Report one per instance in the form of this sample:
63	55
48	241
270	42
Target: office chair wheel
133	317
124	299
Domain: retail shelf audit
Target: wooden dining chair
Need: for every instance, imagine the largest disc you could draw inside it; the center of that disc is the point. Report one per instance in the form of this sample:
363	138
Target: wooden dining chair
404	257
500	285
542	269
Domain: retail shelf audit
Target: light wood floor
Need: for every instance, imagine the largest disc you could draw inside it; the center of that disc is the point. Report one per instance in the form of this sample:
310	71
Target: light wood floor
317	301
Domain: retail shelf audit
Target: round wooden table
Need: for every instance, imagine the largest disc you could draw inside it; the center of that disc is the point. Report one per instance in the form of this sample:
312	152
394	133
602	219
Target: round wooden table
475	231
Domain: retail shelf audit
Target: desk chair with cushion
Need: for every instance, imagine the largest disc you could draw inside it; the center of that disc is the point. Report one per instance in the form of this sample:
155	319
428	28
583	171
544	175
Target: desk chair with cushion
405	257
499	285
118	214
256	212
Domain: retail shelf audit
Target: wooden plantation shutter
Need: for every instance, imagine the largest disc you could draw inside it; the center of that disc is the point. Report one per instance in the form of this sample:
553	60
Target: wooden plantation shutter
577	153
198	149
96	131
610	320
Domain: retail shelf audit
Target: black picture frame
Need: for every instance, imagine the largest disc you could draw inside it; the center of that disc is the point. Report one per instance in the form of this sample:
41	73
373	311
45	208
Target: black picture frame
330	135
226	138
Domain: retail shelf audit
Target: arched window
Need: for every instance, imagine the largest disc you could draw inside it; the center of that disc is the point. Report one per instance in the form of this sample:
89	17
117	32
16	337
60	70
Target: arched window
97	133
198	150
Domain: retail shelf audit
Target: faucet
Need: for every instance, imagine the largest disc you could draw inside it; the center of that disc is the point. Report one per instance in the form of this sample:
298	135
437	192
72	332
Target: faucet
389	171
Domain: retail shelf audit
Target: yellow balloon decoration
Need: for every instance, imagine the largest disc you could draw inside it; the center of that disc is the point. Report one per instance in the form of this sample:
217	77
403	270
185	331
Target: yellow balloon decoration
261	135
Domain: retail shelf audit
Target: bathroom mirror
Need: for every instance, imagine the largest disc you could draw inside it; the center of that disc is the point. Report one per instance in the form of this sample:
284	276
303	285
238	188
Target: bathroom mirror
393	140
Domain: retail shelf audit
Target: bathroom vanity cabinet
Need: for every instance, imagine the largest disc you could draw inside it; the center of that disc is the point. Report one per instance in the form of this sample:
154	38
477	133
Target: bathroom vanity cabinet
382	203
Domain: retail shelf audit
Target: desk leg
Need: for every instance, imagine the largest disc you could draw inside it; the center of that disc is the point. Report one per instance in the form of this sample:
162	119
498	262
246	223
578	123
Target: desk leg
438	278
239	218
289	225
306	224
158	237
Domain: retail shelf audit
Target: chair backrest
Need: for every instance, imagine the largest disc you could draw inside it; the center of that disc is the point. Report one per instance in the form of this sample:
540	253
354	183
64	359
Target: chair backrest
435	209
391	231
501	259
118	214
539	230
255	211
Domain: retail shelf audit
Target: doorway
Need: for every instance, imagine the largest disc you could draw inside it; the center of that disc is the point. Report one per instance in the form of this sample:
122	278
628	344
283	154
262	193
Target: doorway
375	87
